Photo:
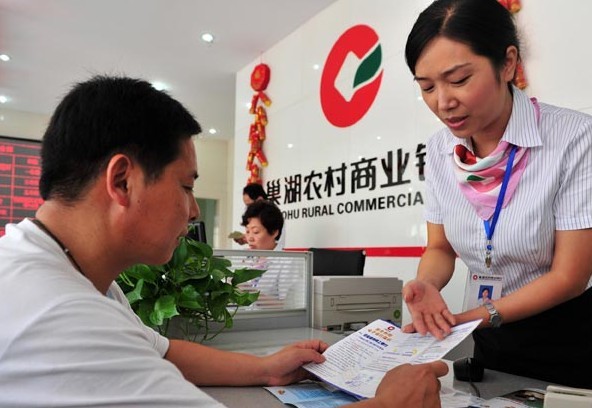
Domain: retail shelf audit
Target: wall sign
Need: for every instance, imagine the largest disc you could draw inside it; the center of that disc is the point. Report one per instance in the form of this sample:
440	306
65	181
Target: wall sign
346	100
20	169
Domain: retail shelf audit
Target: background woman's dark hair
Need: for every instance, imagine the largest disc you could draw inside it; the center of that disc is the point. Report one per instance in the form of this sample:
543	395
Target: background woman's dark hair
268	213
105	116
254	191
485	26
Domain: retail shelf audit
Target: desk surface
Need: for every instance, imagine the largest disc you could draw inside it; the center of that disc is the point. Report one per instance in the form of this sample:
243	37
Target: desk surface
264	342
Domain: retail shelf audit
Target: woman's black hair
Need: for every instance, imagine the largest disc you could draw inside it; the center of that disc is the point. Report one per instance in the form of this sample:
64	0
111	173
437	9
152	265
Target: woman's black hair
255	191
268	213
485	26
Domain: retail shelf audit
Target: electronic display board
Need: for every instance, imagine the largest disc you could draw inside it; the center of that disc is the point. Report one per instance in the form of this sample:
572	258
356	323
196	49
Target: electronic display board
20	169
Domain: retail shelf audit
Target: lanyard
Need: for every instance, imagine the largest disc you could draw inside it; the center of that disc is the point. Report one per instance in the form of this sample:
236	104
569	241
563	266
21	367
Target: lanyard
490	228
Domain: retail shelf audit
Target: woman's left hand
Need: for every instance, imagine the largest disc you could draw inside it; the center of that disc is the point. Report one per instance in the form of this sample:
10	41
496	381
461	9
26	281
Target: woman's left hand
428	310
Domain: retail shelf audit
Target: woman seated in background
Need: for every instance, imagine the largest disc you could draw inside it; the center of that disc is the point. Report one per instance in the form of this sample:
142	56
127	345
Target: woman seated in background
263	222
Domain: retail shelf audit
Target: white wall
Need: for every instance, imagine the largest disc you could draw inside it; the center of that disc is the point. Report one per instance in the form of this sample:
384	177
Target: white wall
20	124
556	54
213	160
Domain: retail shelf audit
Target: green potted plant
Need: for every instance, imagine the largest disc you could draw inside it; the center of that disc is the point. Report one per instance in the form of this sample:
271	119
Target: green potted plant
196	288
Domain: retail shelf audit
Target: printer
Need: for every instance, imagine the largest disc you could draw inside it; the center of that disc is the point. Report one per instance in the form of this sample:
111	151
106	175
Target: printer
567	397
345	304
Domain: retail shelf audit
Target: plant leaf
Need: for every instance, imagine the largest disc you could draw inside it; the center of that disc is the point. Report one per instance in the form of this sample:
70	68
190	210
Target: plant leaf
143	309
218	306
227	319
136	294
245	298
218	275
164	308
200	248
190	298
194	285
220	263
245	275
193	270
180	255
141	271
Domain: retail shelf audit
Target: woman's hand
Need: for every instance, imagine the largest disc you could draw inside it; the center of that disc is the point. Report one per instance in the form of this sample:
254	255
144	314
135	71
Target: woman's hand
241	240
429	312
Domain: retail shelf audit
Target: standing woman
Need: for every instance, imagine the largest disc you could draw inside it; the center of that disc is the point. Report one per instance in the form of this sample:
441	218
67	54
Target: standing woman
509	191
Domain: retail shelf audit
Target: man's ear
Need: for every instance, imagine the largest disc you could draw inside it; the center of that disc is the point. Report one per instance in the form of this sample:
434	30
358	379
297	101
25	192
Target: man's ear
119	170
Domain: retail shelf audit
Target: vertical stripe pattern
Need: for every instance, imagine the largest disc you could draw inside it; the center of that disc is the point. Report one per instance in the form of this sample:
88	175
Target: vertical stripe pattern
554	193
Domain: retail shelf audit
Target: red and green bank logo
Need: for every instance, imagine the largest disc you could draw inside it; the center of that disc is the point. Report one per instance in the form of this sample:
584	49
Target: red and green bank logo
351	76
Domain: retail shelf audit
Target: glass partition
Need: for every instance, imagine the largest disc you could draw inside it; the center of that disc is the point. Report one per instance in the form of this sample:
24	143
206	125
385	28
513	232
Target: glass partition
284	287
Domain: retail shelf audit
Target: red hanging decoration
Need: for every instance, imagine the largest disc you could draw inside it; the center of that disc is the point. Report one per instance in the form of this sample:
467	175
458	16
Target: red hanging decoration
259	81
520	77
514	6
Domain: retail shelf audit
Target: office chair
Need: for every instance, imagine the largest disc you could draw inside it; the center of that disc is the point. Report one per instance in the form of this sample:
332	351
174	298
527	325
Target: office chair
337	262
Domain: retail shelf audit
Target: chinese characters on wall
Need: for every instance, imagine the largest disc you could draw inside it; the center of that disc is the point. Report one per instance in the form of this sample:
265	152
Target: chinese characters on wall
348	179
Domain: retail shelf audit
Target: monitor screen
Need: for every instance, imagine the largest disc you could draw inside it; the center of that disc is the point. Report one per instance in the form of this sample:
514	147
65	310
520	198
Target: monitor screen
197	231
20	168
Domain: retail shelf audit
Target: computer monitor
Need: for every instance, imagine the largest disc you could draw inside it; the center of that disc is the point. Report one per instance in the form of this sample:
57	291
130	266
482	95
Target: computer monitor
197	231
337	262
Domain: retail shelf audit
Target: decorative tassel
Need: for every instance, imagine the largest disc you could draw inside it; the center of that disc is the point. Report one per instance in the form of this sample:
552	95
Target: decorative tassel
257	134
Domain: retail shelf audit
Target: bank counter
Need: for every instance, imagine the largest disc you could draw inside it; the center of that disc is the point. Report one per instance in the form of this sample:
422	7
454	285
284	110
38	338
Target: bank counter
263	342
268	326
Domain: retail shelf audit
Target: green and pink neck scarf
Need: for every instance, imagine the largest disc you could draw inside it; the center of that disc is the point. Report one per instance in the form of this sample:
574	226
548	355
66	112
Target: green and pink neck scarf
480	180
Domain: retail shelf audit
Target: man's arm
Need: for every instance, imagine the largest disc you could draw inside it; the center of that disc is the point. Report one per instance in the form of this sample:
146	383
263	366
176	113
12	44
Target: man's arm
204	365
405	386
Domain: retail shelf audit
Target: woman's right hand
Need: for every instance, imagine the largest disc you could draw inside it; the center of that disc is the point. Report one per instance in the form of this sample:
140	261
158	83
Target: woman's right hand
429	312
241	240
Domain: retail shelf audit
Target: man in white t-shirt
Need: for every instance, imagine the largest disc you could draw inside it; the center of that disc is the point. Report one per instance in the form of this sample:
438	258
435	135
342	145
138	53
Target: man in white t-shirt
118	167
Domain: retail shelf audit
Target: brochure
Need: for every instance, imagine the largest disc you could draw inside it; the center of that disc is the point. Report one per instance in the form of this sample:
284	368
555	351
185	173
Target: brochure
525	398
311	395
323	395
357	363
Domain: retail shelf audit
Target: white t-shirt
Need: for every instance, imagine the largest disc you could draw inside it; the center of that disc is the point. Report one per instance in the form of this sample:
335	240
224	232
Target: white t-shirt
64	344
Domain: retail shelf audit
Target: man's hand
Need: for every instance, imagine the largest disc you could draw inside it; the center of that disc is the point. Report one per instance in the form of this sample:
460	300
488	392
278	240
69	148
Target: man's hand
429	312
412	386
285	366
408	386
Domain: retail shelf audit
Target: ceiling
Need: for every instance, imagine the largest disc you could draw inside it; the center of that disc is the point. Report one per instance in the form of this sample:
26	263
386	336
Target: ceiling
55	43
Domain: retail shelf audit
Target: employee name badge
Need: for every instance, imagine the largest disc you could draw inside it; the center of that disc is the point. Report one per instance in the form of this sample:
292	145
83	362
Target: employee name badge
482	288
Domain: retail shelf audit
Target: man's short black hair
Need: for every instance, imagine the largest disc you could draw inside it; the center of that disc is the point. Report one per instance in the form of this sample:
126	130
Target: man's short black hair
105	116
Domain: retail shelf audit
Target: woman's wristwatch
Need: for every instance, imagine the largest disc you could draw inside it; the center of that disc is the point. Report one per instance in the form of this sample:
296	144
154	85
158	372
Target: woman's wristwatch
495	319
